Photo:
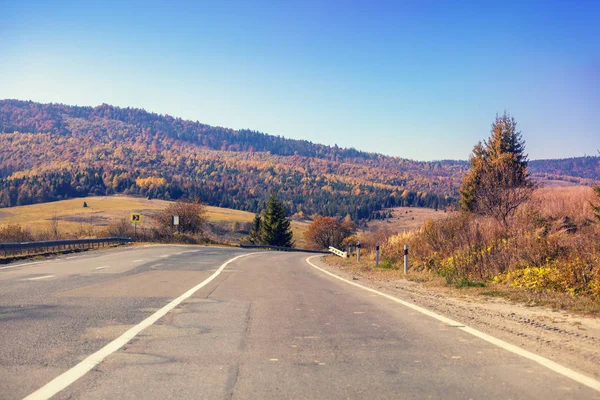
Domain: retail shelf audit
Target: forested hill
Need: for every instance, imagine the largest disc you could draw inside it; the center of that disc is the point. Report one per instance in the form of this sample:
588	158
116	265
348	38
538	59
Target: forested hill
53	151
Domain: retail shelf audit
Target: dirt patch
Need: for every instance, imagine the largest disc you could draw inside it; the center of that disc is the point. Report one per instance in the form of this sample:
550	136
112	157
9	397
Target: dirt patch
95	219
4	214
563	337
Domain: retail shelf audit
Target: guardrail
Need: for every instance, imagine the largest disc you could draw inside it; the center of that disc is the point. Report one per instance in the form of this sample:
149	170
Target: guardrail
337	252
50	246
279	248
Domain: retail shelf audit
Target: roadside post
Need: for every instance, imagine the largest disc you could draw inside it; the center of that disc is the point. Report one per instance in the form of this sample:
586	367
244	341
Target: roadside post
135	219
358	251
175	220
405	259
377	254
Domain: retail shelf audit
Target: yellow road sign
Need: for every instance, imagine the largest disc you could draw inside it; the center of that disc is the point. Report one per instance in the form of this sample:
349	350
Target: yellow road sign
135	218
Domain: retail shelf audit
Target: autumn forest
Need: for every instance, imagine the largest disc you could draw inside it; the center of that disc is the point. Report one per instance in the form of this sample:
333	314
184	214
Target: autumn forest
50	152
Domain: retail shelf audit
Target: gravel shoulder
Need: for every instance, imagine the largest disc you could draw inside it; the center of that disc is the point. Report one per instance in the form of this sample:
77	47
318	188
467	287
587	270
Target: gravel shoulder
568	339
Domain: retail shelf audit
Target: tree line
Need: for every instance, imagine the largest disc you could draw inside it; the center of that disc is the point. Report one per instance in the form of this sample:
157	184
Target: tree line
51	152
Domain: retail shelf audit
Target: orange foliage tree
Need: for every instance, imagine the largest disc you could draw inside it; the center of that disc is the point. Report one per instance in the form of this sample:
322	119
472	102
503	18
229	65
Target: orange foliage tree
324	232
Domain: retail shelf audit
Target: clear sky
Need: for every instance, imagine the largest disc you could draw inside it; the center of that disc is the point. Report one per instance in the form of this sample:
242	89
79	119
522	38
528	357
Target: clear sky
417	79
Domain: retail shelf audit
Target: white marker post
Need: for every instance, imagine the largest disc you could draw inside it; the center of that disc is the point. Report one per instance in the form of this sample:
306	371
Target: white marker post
405	259
175	220
377	254
358	251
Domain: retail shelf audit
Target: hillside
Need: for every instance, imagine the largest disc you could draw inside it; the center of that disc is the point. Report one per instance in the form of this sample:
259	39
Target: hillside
50	152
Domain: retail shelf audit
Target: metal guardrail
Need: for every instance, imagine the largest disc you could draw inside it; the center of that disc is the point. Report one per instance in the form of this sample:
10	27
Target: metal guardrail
279	248
337	252
48	246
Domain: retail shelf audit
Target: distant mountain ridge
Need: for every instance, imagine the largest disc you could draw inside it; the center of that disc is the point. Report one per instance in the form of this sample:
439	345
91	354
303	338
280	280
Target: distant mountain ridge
54	151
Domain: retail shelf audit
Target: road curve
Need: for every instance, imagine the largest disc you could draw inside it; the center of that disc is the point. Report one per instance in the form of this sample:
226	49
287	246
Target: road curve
266	326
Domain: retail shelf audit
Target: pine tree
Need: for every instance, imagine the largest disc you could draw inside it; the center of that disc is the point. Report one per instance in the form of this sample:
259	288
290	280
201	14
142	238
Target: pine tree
596	208
275	227
255	235
498	181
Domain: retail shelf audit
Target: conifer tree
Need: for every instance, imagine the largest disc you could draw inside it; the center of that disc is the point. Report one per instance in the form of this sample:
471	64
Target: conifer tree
498	181
255	235
596	208
275	226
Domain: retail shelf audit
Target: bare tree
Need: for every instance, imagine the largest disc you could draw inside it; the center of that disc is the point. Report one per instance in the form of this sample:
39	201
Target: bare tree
54	231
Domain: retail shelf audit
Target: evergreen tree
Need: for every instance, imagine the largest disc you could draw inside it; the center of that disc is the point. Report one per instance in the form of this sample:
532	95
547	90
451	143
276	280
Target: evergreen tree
275	227
255	235
596	208
498	181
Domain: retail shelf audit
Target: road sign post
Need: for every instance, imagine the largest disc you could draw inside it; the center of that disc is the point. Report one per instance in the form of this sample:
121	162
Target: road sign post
405	259
358	251
135	219
377	254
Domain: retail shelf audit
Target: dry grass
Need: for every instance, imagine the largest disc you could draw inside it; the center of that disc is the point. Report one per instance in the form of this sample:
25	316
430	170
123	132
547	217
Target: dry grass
406	219
298	229
436	283
101	212
550	254
572	201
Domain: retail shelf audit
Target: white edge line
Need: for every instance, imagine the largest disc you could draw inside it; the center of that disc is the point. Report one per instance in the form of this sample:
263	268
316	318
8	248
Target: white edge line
569	373
21	265
67	378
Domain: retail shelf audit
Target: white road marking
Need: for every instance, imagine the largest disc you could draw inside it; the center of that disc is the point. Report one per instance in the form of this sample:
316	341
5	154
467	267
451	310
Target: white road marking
22	265
37	278
67	378
138	260
106	266
70	258
560	369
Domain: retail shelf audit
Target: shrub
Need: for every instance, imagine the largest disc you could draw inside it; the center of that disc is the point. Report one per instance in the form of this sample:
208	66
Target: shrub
548	247
192	218
15	233
324	232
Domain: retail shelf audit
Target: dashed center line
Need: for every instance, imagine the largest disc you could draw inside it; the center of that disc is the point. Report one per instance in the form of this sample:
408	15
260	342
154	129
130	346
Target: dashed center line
68	377
37	278
21	265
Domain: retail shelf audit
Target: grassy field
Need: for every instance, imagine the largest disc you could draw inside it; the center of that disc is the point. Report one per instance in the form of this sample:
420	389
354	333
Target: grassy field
73	218
406	219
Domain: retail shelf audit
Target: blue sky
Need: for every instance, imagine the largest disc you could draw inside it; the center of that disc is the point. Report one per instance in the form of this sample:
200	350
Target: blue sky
415	79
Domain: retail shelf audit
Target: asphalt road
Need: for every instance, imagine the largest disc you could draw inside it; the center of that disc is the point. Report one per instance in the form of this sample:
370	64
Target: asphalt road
269	326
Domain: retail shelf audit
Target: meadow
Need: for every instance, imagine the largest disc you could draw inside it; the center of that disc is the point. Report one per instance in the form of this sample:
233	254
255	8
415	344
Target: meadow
70	219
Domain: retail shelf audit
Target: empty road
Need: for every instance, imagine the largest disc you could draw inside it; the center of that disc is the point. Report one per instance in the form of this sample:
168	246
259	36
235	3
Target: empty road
199	322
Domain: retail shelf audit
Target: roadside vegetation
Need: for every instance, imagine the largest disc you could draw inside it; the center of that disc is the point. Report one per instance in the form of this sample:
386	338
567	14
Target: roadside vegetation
324	232
511	238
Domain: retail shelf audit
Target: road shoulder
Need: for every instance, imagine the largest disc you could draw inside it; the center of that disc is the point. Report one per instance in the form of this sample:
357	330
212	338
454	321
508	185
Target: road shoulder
573	341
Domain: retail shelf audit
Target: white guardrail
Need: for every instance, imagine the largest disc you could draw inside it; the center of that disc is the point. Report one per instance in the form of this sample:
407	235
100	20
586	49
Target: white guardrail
337	252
